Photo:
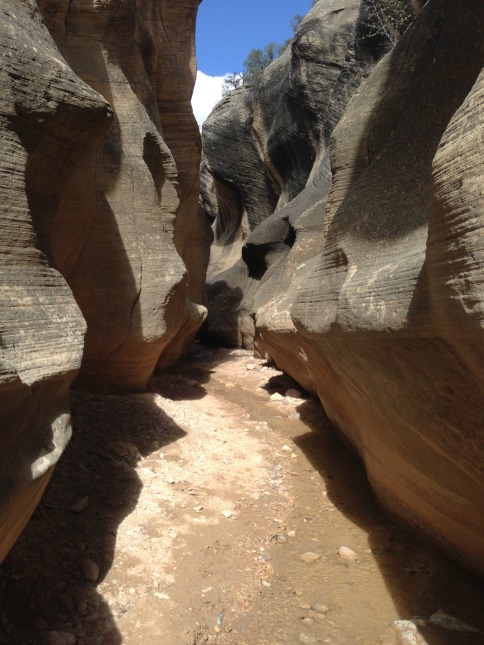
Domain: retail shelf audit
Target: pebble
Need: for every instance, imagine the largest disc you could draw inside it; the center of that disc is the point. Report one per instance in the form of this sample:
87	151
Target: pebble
281	538
407	633
307	638
319	608
286	448
291	533
79	506
441	619
91	570
61	638
265	583
251	366
207	589
309	556
294	394
276	397
347	554
170	479
218	624
198	509
227	514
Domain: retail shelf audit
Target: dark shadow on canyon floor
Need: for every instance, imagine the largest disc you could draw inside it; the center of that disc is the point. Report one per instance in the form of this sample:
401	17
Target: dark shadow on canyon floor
42	582
194	371
420	580
42	585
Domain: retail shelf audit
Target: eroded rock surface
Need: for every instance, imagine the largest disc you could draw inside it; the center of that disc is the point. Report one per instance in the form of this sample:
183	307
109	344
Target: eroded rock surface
103	251
48	117
266	152
377	306
389	336
132	203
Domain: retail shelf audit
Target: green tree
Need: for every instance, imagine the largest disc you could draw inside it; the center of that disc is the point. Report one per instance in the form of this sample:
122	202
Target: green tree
257	60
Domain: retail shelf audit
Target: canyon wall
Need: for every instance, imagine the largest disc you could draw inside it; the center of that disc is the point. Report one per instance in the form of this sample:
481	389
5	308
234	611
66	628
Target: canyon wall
103	249
129	239
365	282
266	170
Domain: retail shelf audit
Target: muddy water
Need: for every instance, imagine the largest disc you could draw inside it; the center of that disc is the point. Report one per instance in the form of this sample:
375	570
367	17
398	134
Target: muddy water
331	599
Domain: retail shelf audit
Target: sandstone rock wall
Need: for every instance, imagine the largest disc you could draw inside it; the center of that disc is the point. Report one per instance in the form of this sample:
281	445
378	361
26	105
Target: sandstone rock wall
132	203
376	304
267	148
48	119
102	248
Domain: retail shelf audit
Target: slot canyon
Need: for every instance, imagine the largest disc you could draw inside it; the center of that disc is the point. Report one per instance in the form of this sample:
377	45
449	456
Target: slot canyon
242	365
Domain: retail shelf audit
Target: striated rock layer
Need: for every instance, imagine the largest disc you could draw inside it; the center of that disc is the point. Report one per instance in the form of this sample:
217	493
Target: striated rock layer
377	307
130	210
266	149
102	249
48	119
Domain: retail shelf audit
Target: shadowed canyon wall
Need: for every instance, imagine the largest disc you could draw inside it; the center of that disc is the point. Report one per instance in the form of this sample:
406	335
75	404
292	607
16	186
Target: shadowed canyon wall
129	214
357	262
103	251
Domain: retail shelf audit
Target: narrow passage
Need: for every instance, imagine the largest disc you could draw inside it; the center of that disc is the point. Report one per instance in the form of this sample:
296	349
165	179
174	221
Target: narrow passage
219	507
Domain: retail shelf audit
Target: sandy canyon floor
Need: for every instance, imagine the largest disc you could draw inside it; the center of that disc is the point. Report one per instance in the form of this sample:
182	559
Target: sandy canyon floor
213	508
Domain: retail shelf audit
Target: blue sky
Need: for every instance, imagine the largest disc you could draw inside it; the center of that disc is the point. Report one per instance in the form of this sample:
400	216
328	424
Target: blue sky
226	31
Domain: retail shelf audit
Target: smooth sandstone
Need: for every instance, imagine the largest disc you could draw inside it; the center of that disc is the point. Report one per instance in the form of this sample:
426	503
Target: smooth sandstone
366	282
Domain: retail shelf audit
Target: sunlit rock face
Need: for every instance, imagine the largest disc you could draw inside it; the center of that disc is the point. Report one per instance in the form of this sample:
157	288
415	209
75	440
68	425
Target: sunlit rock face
49	119
385	323
367	286
265	147
102	250
128	237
